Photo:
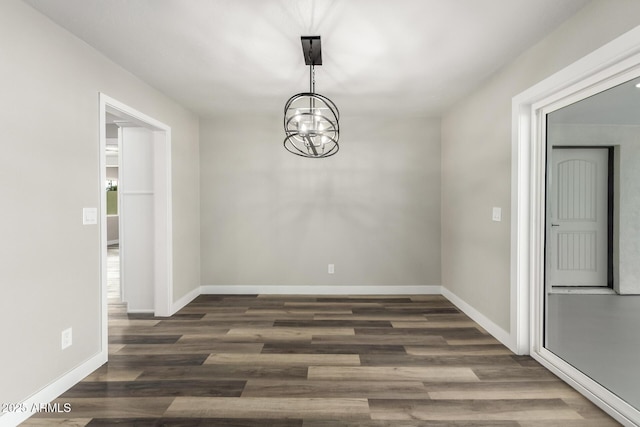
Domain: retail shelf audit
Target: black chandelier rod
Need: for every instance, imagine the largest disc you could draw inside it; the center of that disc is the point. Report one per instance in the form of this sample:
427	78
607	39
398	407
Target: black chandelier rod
312	89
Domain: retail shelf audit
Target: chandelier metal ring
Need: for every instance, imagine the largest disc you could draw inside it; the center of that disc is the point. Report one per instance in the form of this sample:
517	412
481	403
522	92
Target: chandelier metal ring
311	124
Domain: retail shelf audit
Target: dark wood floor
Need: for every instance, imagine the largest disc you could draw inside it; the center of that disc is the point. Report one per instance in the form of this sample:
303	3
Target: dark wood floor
316	362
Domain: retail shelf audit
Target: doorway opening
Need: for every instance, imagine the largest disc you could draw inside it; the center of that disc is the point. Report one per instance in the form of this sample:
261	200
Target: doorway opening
135	168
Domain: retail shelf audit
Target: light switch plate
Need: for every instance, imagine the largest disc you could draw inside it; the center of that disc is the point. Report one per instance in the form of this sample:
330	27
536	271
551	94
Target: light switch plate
66	338
497	214
89	216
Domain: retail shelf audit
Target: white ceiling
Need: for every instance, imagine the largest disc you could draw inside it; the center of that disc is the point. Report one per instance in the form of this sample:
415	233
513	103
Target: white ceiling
244	56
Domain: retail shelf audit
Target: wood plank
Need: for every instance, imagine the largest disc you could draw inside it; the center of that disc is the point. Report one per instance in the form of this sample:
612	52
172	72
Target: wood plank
111	407
391	373
330	348
224	372
283	359
192	347
512	409
382	339
425	324
145	360
157	388
448	360
291	333
450	350
325	389
271	407
46	422
111	373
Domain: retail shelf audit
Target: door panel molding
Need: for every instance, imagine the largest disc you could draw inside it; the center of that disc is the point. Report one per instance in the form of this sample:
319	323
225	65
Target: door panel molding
577	217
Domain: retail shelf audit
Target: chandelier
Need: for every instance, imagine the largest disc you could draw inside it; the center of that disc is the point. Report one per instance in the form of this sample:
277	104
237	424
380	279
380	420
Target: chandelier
310	119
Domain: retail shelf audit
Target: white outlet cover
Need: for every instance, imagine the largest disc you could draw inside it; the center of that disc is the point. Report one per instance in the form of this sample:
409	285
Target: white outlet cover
89	216
67	338
331	269
497	214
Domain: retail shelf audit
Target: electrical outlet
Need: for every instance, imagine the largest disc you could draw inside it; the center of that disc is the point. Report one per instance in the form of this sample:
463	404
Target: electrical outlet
331	269
497	214
67	338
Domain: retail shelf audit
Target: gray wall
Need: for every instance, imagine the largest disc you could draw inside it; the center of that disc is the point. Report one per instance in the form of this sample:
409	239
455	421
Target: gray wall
272	218
50	272
476	157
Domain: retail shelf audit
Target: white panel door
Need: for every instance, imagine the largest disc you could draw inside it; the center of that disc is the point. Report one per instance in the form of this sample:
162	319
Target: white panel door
137	218
577	206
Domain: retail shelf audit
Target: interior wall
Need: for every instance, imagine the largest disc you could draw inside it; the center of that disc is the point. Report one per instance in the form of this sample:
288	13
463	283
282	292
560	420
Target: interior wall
272	218
476	158
50	275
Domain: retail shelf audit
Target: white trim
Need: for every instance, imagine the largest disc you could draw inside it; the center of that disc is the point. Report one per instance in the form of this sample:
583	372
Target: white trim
54	389
614	62
498	333
164	224
519	271
104	309
163	293
319	290
182	302
121	227
113	242
141	311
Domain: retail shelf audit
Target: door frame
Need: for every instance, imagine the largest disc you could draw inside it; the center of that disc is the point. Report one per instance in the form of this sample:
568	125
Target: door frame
163	233
612	64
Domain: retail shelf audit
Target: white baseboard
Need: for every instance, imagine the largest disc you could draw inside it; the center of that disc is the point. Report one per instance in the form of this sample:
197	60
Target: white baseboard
319	290
498	333
178	305
141	311
53	390
113	242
